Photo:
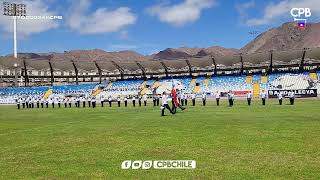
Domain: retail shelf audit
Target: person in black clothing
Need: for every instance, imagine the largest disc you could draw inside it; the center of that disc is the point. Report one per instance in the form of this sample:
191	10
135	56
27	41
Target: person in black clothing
158	100
154	98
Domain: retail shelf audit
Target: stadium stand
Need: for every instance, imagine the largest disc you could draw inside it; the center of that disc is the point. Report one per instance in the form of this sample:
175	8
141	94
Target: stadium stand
289	81
227	83
211	74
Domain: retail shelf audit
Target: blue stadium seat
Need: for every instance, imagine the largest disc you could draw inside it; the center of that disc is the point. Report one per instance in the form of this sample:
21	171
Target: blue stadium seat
23	90
84	88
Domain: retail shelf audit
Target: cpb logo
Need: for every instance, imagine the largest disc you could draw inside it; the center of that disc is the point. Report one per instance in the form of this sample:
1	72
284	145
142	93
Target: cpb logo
298	12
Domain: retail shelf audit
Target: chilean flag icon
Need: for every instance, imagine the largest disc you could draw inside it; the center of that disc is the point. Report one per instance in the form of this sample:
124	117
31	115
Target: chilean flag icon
301	25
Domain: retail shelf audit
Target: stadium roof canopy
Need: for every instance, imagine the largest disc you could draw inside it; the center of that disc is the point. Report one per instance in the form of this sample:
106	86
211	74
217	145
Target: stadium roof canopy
261	59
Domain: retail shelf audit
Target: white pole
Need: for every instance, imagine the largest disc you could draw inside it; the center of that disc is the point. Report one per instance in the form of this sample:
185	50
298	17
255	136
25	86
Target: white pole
15	36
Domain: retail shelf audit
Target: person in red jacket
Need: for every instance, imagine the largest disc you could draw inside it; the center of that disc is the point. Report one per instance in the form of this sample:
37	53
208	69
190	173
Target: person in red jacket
175	101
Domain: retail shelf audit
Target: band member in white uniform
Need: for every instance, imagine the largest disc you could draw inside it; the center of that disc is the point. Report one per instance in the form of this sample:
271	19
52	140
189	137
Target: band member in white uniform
75	101
38	102
134	101
193	97
89	101
263	96
230	98
291	97
110	100
78	101
186	99
204	98
42	100
140	99
65	101
119	100
249	97
83	99
217	95
102	100
47	102
59	101
145	99
126	100
70	101
165	104
280	97
93	101
18	102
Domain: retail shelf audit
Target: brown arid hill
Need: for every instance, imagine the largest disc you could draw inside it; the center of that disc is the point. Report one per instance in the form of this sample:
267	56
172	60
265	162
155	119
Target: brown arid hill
89	55
285	37
184	52
98	54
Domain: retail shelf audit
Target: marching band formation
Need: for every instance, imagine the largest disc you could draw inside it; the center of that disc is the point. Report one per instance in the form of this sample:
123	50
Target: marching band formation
178	99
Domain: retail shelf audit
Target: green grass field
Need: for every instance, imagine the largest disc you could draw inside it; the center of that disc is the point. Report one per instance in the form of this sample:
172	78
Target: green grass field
271	142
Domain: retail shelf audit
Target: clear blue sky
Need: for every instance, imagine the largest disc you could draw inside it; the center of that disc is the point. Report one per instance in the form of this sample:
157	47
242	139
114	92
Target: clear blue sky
146	26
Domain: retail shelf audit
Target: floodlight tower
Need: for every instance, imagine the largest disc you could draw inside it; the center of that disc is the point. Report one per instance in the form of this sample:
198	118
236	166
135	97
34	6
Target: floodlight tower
14	10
